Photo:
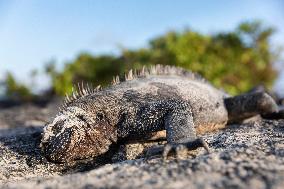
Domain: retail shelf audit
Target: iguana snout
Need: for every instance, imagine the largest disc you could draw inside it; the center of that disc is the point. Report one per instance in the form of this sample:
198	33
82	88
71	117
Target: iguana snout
74	134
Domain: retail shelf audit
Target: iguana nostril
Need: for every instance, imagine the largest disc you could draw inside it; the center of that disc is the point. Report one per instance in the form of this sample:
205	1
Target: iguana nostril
57	126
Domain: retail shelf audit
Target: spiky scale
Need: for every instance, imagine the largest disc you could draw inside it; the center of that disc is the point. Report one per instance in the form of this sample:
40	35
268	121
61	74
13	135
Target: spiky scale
155	99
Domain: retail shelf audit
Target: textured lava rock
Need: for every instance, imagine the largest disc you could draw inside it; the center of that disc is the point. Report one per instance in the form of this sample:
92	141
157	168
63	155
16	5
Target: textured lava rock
250	155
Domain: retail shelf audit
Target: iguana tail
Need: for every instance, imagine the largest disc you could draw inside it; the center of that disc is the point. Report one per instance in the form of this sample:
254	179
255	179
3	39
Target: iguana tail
248	105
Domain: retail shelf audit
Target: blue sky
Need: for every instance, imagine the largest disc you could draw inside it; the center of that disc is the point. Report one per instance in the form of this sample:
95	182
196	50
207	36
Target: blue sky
33	32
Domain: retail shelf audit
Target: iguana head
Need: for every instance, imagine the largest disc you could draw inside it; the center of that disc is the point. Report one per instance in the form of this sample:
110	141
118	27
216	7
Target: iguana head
82	129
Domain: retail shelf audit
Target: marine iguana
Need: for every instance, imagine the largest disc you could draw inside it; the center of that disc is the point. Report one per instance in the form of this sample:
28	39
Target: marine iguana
159	98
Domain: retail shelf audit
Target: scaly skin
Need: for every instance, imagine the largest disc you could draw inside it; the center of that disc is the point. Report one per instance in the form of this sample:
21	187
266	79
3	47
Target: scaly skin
162	98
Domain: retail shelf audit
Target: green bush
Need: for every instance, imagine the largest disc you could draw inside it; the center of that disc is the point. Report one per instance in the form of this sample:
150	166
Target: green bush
15	90
235	61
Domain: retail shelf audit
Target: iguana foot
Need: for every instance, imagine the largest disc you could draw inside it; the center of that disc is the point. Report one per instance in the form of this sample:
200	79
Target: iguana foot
177	148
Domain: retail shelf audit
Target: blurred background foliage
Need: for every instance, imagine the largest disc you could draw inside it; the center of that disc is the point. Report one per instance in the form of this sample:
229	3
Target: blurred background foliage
236	61
15	90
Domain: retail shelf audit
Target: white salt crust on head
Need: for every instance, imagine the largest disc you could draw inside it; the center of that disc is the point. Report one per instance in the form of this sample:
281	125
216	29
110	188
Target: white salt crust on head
70	119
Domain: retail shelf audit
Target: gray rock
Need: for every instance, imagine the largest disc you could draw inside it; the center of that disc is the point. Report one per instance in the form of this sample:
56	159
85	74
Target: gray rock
243	156
250	155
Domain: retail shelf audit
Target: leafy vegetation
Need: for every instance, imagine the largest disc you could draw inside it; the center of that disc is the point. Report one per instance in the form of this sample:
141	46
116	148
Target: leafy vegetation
15	90
235	61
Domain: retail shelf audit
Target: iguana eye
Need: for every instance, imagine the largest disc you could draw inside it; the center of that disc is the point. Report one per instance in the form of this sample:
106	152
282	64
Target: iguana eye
100	116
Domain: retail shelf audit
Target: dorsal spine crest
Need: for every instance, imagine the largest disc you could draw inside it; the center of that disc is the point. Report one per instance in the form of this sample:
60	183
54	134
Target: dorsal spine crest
85	90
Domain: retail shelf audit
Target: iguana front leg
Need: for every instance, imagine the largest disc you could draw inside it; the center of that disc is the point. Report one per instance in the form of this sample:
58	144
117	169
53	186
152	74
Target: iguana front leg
180	131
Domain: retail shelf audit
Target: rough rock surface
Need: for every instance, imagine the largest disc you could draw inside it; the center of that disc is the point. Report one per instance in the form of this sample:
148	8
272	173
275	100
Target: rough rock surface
243	156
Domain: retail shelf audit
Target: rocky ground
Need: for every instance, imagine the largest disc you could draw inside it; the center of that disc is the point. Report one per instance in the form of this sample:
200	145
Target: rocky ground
250	155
